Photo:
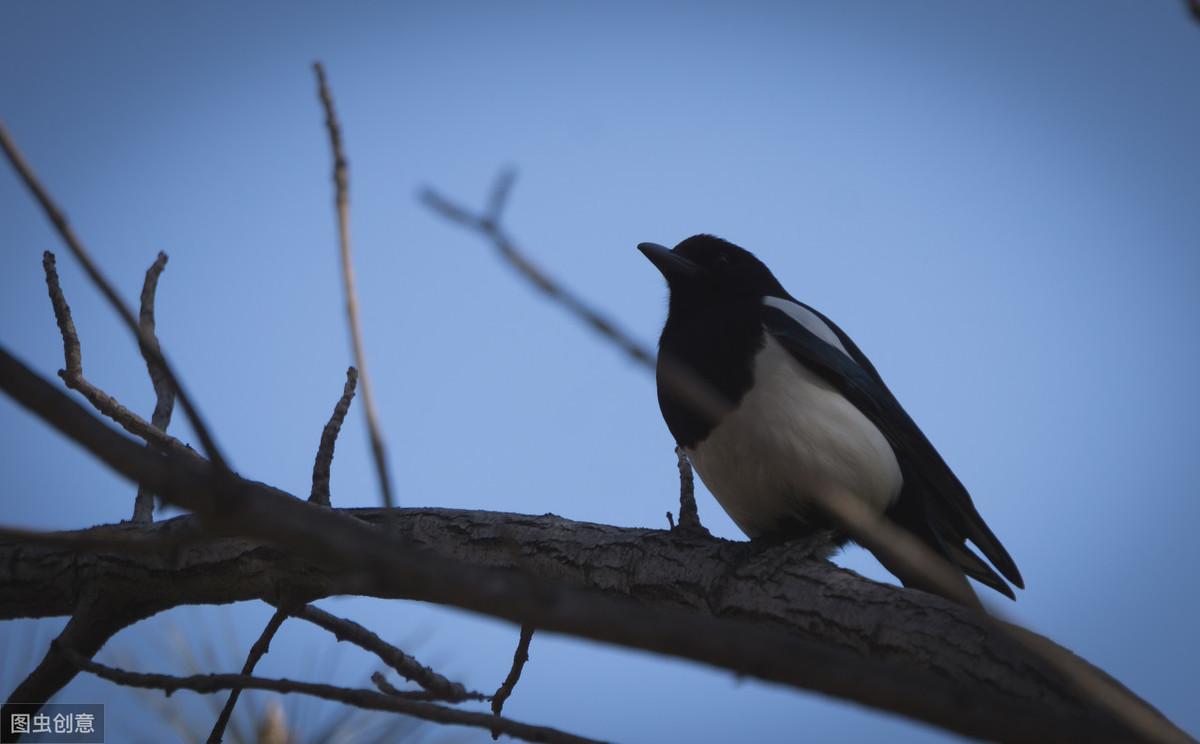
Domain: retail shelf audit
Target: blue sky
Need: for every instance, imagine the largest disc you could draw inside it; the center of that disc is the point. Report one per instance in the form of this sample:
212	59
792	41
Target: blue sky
996	200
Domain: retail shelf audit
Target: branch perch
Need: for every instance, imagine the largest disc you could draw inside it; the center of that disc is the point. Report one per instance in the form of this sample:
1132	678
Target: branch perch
379	564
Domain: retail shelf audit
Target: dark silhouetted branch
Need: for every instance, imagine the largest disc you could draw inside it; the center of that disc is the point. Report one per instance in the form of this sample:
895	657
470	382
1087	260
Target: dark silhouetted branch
406	666
341	183
257	651
488	225
387	688
320	479
96	618
370	699
520	656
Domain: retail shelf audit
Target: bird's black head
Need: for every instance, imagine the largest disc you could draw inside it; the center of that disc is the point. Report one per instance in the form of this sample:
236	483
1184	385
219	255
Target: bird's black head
705	269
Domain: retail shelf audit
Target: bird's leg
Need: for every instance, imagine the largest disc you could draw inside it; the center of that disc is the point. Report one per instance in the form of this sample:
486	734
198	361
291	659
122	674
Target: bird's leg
689	515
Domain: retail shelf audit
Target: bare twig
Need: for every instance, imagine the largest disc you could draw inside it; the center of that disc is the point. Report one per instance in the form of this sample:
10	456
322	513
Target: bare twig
689	515
260	647
149	349
406	666
73	377
362	698
341	183
520	656
320	479
387	688
670	372
164	394
488	225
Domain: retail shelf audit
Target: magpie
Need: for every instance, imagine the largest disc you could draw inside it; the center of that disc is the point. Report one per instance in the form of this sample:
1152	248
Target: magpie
805	414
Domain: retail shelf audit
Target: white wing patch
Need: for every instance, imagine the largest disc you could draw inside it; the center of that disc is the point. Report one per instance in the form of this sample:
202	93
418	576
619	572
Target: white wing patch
808	319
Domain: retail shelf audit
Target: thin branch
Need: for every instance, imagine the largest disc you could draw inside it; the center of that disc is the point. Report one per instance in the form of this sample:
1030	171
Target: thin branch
320	478
488	225
670	371
689	515
387	688
520	656
406	666
72	354
361	698
73	377
149	349
260	648
164	394
341	183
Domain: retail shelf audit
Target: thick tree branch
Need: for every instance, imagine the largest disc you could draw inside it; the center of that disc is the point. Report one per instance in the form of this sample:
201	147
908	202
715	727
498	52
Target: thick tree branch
372	561
341	184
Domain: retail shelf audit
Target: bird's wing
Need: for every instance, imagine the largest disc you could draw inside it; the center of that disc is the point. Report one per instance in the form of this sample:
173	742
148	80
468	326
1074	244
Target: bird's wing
951	514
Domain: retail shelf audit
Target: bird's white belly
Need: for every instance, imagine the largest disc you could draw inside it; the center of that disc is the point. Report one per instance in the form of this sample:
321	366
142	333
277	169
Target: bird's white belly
791	436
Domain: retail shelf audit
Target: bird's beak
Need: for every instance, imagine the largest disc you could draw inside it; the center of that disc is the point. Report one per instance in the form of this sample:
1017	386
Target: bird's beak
672	265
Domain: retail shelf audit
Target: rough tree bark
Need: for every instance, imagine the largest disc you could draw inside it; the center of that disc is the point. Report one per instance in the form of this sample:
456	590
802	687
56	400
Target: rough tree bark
783	587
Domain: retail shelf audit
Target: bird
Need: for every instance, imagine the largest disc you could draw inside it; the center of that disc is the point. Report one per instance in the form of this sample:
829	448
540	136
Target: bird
804	416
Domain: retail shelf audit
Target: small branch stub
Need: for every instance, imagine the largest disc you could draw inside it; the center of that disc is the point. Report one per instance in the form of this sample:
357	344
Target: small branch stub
324	461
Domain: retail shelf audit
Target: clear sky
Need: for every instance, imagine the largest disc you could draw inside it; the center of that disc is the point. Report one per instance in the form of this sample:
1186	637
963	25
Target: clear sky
997	200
